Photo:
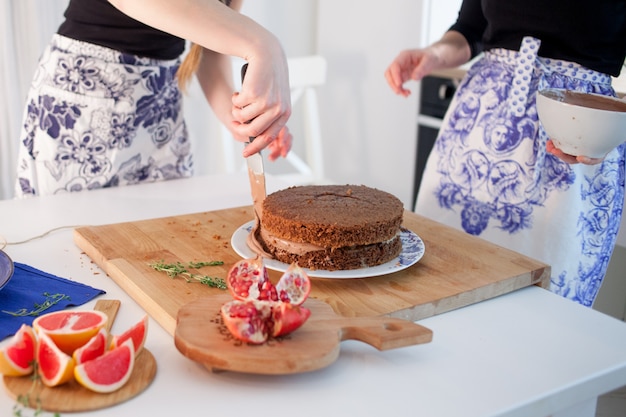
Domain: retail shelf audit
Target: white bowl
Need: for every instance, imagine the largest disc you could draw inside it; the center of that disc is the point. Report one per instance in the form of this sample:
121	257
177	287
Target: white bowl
582	123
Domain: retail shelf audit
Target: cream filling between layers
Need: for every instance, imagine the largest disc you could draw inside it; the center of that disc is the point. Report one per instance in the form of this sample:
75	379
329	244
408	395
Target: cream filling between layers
302	248
287	245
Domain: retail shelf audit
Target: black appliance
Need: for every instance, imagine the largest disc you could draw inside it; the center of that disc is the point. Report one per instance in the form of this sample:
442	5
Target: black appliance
435	96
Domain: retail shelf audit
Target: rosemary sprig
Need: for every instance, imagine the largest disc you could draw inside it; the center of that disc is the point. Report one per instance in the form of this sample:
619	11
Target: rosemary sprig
179	269
51	299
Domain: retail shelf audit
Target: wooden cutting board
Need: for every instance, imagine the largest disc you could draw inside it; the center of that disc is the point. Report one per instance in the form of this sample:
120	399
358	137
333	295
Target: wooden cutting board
72	397
456	270
202	336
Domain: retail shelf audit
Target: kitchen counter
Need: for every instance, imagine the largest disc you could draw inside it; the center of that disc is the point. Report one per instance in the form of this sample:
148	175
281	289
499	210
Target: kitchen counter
526	353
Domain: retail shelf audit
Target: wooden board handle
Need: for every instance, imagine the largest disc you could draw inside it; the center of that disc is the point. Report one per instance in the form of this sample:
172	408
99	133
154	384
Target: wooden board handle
110	308
383	332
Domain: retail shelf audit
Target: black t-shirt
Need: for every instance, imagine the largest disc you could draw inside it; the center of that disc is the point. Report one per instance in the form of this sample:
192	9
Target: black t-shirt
98	22
591	33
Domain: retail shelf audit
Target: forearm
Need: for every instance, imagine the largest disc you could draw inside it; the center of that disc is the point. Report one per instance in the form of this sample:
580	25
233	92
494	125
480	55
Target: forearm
206	22
451	50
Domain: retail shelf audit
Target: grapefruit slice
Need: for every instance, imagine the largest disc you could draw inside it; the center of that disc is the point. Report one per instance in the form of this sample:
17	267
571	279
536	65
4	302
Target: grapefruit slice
55	366
95	347
70	329
18	355
137	333
108	372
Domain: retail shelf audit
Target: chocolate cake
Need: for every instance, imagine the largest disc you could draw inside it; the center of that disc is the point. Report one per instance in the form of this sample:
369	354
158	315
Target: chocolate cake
331	227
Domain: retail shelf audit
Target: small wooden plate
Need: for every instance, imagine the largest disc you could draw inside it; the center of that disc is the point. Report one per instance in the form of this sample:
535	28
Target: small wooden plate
73	397
201	336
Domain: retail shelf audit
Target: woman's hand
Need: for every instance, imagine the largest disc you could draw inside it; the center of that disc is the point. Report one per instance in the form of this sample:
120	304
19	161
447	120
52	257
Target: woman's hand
571	159
263	106
281	146
410	64
414	64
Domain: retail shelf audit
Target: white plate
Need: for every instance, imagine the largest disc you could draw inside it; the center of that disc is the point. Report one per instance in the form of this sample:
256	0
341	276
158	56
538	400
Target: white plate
412	251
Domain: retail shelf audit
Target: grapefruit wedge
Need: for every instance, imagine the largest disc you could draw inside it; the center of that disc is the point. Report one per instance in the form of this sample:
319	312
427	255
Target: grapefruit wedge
18	355
55	366
108	372
95	347
137	333
70	329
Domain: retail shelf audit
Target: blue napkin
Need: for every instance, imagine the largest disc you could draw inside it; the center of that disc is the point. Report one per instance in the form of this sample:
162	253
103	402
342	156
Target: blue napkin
30	288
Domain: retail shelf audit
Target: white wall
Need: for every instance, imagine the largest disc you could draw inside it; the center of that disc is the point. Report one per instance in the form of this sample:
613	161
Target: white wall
26	27
369	132
439	15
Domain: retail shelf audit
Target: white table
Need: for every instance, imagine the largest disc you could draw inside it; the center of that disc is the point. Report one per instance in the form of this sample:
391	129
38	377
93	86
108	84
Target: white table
528	353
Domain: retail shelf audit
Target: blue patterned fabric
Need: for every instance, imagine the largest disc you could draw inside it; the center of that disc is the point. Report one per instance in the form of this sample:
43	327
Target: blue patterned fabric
97	118
489	173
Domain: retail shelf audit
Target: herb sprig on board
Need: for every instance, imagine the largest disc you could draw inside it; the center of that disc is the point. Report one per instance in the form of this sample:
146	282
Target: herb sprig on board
23	401
176	269
51	299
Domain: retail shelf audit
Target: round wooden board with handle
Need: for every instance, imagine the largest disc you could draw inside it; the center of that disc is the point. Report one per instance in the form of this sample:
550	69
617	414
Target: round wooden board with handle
73	397
201	336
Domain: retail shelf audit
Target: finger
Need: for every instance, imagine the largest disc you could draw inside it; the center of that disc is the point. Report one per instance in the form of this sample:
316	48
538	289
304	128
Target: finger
275	150
390	79
589	161
281	146
264	140
247	113
287	143
570	159
259	143
553	150
394	79
266	124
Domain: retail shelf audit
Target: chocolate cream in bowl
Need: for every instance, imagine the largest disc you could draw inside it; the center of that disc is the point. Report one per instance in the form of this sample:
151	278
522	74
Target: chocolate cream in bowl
592	101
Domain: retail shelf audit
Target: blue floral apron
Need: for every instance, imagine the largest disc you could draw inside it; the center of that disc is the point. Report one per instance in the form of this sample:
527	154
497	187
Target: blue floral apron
489	173
97	118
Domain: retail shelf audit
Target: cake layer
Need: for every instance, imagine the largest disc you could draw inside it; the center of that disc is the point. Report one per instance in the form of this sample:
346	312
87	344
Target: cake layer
345	258
332	216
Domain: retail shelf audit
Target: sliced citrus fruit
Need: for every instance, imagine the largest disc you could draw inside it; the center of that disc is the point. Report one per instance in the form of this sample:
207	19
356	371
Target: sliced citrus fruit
108	372
137	333
70	329
55	366
96	346
17	356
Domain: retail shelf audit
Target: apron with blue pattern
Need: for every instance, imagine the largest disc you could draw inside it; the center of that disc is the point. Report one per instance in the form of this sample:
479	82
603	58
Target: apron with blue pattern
97	118
489	173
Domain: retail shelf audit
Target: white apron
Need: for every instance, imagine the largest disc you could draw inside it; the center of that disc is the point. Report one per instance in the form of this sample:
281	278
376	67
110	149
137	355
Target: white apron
489	173
96	118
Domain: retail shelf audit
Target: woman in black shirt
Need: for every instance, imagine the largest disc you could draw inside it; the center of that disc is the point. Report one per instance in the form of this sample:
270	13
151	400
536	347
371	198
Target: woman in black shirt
105	107
493	172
